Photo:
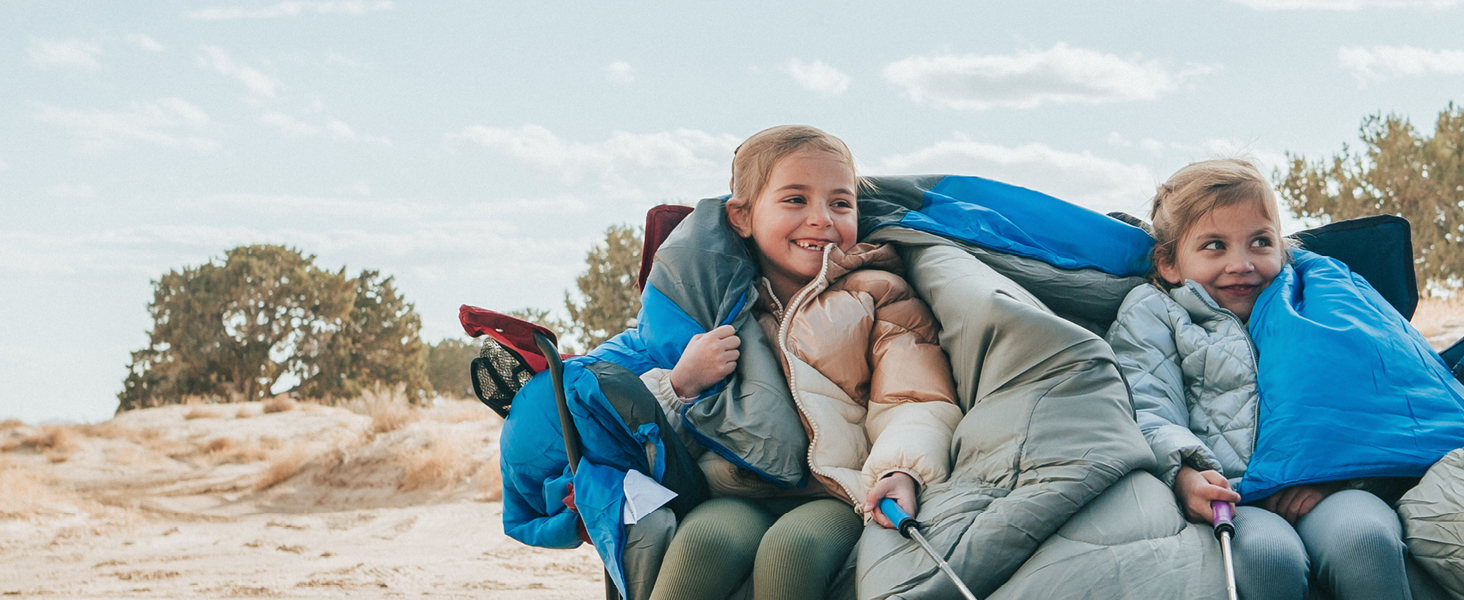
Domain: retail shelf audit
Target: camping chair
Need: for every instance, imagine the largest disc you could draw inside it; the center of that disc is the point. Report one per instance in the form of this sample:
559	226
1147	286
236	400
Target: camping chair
1379	248
515	349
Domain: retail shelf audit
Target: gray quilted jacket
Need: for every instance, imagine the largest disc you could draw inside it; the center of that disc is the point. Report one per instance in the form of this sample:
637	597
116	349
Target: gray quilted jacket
1192	368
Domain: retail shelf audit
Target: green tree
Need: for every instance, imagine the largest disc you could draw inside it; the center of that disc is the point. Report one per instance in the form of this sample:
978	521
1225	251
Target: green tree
234	330
1399	171
447	367
609	301
379	342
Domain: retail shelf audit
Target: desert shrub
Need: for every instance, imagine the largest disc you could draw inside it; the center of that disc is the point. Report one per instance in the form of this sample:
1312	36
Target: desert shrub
284	464
278	404
203	411
439	464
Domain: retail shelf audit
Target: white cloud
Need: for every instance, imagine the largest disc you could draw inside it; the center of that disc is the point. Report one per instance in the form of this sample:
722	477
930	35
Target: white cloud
145	42
70	190
620	72
1345	5
214	57
1099	183
63	54
684	163
362	188
1265	159
291	9
1149	144
167	122
1382	62
289	125
1028	79
333	58
818	77
332	126
343	131
4	166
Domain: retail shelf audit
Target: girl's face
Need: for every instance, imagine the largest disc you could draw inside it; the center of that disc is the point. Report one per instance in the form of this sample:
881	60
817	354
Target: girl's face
807	204
1234	252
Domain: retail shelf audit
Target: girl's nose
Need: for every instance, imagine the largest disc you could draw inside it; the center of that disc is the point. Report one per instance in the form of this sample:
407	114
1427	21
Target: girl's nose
818	216
1241	264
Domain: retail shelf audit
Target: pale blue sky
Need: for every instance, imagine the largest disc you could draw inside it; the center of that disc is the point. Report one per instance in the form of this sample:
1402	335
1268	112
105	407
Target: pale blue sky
475	151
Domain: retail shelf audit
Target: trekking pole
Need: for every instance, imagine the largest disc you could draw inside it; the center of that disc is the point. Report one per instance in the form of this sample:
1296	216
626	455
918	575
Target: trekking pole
910	528
1224	529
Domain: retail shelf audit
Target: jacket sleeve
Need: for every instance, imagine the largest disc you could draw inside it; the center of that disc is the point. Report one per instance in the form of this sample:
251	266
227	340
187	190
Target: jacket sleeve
912	412
534	511
659	382
1143	339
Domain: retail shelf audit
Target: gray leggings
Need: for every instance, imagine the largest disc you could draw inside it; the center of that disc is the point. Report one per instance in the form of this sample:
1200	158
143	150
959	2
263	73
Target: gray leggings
1351	545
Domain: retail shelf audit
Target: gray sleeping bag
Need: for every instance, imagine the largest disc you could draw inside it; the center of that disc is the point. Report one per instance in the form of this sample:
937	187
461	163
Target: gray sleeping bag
1050	494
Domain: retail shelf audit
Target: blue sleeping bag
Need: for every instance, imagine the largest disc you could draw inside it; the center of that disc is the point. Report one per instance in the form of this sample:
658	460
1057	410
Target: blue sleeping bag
1348	389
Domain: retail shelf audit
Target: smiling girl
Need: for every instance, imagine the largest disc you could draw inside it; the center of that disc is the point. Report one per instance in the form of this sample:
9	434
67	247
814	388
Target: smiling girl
871	384
1185	349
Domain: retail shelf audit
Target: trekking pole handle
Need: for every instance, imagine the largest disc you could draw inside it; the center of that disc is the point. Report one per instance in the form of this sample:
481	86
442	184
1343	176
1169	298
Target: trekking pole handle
902	520
1224	517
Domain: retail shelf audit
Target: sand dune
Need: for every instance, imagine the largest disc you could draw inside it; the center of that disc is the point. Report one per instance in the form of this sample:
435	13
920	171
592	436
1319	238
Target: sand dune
315	502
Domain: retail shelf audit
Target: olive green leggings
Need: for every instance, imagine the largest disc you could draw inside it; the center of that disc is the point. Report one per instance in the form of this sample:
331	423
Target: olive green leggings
792	547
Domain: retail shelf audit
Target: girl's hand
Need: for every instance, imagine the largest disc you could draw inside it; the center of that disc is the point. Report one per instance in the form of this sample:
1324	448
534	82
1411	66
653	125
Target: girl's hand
708	358
897	485
1295	502
1195	490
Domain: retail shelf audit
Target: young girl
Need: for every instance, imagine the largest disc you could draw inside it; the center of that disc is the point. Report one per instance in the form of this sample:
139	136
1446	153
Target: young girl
872	387
1185	349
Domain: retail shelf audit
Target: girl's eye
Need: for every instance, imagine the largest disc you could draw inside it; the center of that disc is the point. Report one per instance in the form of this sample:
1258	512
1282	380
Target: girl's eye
1262	242
1213	245
795	199
843	203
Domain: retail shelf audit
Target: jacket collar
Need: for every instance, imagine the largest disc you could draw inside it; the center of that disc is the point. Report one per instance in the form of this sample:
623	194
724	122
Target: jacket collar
837	264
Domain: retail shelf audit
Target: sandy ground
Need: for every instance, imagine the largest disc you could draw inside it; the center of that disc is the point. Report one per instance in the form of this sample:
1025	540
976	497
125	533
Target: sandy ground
315	502
373	500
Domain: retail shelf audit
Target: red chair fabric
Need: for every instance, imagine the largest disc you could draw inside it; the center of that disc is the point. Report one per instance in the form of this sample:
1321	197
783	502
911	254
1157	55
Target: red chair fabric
659	223
516	334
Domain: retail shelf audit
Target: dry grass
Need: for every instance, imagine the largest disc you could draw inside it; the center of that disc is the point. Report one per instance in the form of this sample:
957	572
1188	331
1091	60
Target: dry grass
11	424
23	492
489	478
388	409
249	411
229	450
459	411
57	442
284	464
279	404
204	411
440	464
1436	317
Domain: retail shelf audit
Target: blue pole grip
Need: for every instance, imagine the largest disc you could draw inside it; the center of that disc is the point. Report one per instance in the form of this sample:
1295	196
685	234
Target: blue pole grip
902	520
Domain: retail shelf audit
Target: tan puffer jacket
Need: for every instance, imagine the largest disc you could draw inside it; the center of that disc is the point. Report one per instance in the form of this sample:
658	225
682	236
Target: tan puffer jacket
871	382
873	387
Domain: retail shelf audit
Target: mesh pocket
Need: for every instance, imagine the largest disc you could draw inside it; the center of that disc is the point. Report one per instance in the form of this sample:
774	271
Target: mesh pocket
498	374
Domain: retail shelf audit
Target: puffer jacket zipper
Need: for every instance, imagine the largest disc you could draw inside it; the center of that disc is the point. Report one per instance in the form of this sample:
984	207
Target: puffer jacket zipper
820	282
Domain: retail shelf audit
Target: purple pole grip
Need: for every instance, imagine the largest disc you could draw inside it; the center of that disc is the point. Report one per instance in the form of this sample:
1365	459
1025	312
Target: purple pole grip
1223	512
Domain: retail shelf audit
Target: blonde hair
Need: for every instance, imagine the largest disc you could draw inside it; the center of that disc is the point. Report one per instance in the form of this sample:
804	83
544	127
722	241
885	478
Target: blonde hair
1199	189
753	161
